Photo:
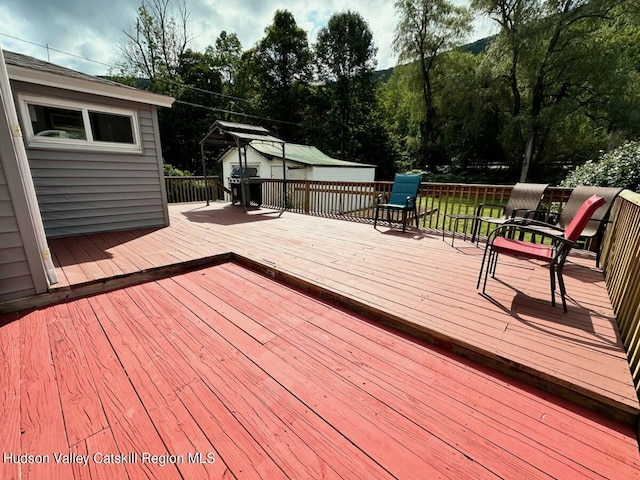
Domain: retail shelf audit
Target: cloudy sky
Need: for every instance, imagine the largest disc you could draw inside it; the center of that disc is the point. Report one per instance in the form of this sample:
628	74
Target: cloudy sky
93	29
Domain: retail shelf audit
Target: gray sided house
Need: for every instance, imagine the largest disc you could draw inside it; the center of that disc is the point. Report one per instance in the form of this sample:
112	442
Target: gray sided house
93	156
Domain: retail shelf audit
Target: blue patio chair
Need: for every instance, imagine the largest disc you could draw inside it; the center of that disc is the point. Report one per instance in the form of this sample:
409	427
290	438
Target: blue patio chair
403	198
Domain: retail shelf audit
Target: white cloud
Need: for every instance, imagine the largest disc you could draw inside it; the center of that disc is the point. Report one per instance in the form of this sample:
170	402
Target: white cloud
94	28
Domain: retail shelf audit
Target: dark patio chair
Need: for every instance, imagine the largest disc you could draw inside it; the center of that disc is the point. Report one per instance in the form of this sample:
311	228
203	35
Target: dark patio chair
598	222
403	198
524	198
555	254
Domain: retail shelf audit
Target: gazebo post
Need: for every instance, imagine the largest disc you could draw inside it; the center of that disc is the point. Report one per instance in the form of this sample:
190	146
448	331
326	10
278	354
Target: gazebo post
242	195
284	178
204	171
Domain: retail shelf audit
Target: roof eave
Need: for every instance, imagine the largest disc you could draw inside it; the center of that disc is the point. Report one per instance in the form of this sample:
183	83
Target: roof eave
37	77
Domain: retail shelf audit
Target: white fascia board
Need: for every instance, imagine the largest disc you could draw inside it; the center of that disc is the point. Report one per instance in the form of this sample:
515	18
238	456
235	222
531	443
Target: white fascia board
48	79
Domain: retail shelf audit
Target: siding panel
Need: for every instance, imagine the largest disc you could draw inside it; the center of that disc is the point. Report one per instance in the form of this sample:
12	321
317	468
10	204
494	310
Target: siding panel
15	276
88	191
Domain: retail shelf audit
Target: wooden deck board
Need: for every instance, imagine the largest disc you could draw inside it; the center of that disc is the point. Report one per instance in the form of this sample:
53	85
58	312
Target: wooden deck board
133	430
414	278
10	393
81	405
320	393
42	427
250	390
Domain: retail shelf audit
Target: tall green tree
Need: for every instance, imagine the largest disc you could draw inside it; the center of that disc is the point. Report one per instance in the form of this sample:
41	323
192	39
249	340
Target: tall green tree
425	29
345	55
281	67
227	53
554	59
183	126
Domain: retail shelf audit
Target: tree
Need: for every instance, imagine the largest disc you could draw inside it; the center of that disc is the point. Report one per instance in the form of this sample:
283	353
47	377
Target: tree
553	65
346	59
281	66
425	29
157	42
227	53
183	126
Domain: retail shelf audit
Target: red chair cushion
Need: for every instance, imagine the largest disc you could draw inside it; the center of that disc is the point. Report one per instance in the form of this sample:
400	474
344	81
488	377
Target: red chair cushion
518	248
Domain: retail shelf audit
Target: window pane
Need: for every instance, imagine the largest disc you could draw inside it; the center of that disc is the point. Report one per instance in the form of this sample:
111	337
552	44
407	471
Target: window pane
107	127
57	122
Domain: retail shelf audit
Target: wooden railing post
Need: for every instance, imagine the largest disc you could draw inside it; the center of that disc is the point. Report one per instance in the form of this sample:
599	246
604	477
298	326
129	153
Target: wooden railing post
307	196
621	266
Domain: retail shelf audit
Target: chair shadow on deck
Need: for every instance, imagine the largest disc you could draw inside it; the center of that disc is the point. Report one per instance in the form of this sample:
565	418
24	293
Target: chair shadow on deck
231	215
533	313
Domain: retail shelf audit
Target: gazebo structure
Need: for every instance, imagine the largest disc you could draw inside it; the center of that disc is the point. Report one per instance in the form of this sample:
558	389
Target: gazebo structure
240	135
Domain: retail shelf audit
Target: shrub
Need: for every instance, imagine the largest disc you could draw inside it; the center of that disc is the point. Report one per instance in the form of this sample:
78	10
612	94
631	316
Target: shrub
617	168
171	171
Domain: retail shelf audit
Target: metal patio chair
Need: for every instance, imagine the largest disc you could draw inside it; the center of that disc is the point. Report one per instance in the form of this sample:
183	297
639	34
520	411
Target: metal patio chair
524	198
598	222
403	198
555	254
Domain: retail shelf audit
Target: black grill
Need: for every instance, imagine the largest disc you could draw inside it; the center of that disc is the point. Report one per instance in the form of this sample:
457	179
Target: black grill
252	184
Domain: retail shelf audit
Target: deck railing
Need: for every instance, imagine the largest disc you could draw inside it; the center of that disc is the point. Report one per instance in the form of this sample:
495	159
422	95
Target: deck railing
357	200
621	265
192	189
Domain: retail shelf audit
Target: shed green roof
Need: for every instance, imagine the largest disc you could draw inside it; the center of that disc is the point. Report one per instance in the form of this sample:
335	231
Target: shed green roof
304	154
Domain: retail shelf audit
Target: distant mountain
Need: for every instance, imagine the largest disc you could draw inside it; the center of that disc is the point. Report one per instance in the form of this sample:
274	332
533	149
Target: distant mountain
474	48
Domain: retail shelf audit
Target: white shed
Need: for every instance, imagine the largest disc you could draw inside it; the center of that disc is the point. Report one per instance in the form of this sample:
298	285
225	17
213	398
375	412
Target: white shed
303	162
307	163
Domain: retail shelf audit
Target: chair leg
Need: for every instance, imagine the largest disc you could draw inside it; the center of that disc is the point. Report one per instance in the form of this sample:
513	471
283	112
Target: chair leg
563	290
404	220
375	220
389	216
494	263
491	261
415	212
552	274
484	257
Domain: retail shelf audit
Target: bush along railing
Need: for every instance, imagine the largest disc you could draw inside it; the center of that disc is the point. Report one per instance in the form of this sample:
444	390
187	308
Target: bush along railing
621	265
192	189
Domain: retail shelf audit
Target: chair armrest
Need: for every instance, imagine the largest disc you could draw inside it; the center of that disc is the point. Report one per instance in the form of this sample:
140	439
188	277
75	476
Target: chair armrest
520	212
549	217
380	197
528	226
407	202
482	206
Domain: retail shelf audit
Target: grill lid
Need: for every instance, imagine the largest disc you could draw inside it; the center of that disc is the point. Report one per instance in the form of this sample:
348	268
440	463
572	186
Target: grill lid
244	172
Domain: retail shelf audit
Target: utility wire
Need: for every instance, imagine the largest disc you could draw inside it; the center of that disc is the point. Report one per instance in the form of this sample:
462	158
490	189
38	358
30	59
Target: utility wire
56	50
235	113
171	82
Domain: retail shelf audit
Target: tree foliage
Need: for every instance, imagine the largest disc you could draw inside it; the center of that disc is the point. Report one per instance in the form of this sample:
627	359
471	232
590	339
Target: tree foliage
281	67
345	56
558	83
427	28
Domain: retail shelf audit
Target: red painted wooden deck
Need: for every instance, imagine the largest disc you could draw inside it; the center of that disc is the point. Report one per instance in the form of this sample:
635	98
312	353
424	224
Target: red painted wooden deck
267	382
413	279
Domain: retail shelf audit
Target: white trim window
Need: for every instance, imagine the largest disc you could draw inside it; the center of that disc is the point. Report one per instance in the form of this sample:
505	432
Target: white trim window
54	123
